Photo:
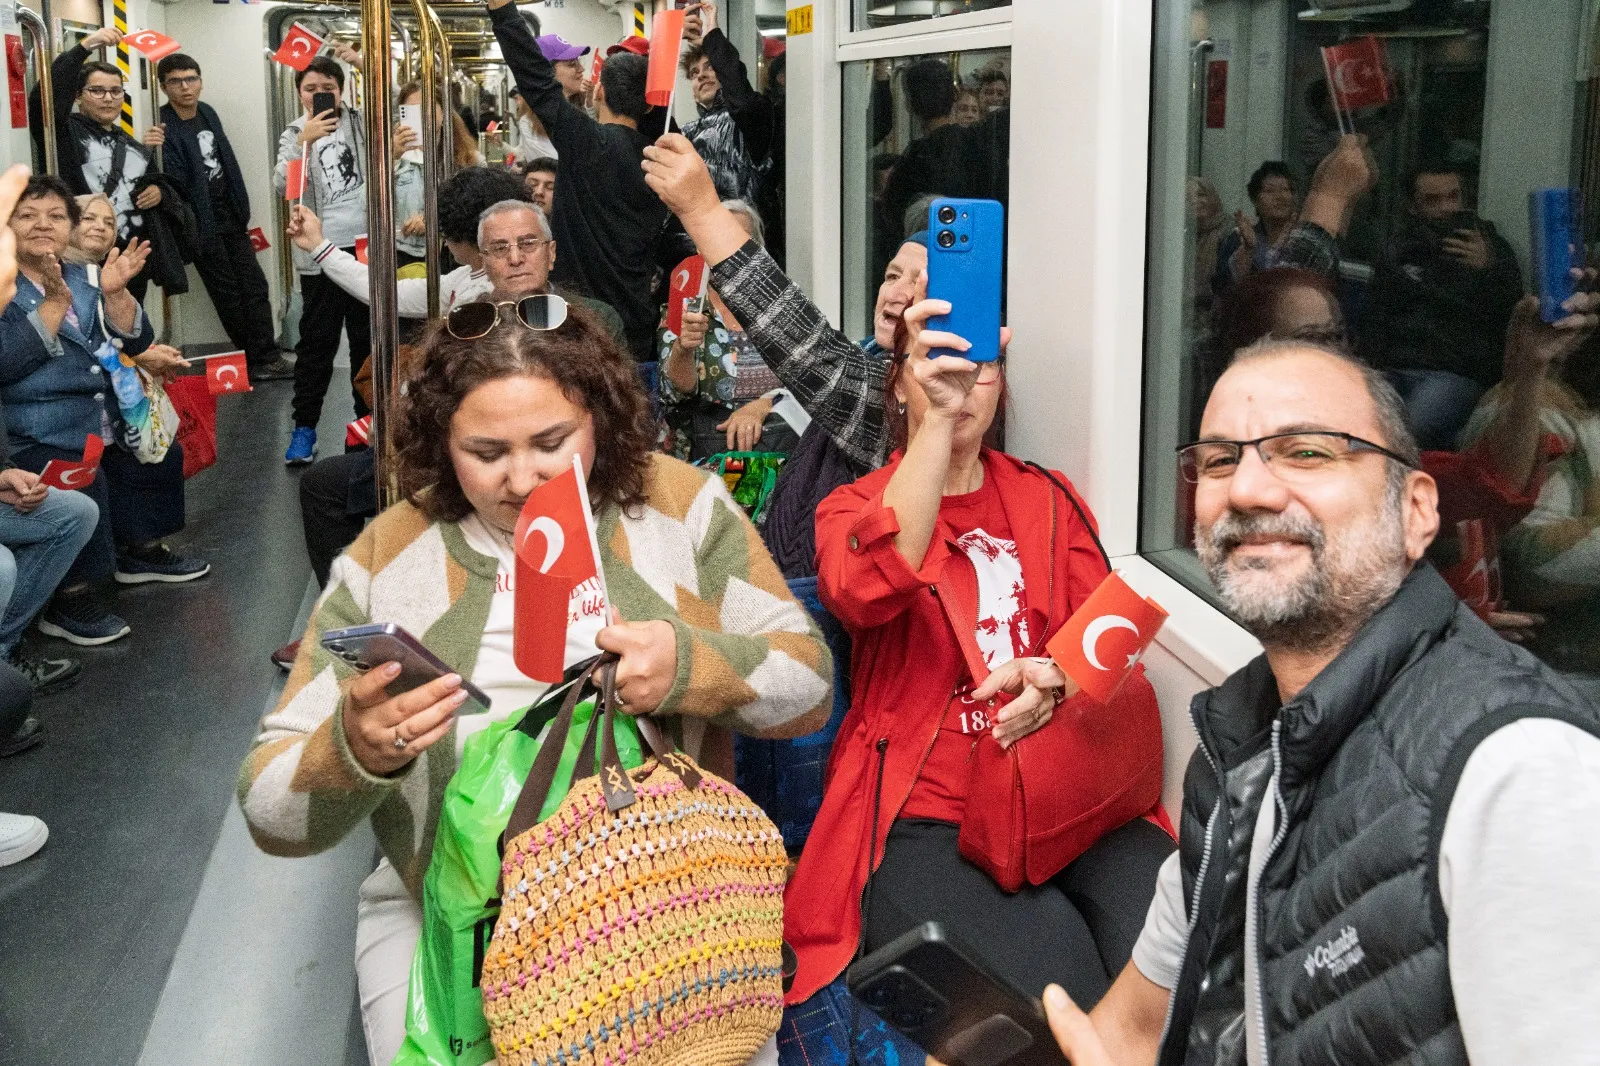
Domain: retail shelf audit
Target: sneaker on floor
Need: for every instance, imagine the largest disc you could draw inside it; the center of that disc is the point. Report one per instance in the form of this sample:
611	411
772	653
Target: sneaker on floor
302	447
284	657
280	369
46	675
29	733
135	566
20	836
79	622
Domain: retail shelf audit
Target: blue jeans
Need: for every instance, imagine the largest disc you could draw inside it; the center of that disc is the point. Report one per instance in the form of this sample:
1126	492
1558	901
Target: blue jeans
36	549
1438	404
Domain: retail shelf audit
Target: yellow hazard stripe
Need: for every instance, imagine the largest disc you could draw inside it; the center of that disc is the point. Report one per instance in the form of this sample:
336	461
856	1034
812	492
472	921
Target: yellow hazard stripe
638	20
119	19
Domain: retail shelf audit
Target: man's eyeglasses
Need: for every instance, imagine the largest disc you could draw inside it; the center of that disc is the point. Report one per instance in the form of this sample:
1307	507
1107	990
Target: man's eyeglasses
183	82
541	311
525	245
104	92
1291	456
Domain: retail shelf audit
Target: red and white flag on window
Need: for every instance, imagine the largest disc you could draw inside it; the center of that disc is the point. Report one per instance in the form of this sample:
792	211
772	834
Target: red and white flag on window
1106	637
66	474
154	45
556	552
300	46
1358	74
227	373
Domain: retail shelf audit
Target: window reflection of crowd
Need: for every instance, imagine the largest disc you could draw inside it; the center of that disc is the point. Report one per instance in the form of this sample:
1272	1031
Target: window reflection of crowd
1506	405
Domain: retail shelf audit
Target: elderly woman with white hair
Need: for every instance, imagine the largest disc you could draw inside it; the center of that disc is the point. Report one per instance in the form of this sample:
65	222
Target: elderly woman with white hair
717	394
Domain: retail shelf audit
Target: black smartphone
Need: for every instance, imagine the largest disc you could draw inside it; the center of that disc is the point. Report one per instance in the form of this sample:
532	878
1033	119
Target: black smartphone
322	103
932	989
364	647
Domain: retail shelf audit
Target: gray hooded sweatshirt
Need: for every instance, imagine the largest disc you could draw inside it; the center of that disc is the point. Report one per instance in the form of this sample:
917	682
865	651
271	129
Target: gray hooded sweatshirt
336	188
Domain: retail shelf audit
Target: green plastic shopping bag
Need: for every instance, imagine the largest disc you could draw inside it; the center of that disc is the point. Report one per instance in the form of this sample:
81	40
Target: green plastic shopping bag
444	1012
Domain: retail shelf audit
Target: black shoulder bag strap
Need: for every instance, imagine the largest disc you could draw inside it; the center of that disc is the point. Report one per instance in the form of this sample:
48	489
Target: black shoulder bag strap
1076	506
119	156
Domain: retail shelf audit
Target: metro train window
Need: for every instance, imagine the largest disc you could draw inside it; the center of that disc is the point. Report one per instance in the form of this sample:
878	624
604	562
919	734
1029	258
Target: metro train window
915	128
1465	108
872	14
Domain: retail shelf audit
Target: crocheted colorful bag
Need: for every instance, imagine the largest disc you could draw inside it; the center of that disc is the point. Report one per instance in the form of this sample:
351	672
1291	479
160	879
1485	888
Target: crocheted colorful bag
642	922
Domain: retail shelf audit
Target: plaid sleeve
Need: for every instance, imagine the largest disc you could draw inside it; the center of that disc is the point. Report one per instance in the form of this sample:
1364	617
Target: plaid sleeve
839	385
1309	247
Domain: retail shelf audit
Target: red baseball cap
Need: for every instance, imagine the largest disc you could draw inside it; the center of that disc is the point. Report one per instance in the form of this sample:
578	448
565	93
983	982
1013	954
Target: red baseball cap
639	46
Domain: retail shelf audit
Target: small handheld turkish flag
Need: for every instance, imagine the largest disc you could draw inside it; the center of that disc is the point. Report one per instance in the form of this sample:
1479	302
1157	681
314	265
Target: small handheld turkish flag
597	66
556	555
1105	637
227	373
1357	75
666	42
688	279
361	248
258	240
154	45
1476	577
300	46
294	183
64	474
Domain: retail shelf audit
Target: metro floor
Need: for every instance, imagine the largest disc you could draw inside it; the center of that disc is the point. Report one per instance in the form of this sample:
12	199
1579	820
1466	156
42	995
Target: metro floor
149	929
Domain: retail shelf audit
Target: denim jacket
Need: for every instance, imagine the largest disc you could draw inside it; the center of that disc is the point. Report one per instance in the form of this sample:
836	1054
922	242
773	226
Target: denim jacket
53	389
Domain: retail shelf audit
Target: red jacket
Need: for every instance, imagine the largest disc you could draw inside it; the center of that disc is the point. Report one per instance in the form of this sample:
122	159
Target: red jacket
905	667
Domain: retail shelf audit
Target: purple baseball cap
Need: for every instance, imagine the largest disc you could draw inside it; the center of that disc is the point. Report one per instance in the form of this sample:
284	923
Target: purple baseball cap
555	49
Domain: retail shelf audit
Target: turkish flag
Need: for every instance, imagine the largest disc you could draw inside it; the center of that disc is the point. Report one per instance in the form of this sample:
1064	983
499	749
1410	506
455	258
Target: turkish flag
64	474
299	48
1358	73
491	127
154	45
555	554
688	279
258	240
666	42
294	185
1476	577
597	66
1105	637
358	433
227	373
361	248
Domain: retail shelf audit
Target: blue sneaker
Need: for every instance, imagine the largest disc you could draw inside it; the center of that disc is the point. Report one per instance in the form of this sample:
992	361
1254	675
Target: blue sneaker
81	625
302	447
135	566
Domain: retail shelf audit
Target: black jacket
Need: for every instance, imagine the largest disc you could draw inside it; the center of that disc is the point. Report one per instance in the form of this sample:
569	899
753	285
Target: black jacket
182	162
173	233
1428	311
1353	946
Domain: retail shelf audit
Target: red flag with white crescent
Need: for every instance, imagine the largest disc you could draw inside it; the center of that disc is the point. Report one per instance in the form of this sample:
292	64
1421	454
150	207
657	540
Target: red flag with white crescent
65	474
666	43
555	552
688	279
1105	637
300	46
1476	576
294	183
154	45
362	244
1358	73
258	240
227	373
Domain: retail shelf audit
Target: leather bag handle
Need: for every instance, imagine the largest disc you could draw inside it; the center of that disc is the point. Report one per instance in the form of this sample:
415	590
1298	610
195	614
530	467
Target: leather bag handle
542	775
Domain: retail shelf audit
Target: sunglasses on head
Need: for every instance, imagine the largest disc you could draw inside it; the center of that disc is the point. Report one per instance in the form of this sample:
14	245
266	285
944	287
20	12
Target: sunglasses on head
541	311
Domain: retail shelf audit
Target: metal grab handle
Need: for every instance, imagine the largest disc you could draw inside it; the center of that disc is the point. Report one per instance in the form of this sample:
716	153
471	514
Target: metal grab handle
43	57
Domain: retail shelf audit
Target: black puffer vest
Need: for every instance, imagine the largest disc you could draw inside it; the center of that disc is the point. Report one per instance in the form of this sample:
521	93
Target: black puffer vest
1352	934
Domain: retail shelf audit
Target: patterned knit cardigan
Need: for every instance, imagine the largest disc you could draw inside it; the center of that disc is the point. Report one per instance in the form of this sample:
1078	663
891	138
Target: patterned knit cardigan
749	657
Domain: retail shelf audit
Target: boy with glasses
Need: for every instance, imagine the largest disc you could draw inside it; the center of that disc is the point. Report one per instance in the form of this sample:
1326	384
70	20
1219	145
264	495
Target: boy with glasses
95	154
200	160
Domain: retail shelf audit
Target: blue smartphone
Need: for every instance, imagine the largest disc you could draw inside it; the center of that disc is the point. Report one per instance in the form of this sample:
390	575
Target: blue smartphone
966	260
1555	227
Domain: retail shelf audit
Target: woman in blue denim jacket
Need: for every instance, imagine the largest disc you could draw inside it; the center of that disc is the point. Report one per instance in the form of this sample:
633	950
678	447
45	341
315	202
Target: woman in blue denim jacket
55	395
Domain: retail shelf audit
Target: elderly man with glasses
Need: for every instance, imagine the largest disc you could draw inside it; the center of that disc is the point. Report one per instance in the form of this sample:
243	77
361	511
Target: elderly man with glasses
1388	848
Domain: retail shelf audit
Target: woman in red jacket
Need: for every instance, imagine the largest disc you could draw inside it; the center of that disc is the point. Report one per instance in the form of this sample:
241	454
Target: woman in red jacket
951	567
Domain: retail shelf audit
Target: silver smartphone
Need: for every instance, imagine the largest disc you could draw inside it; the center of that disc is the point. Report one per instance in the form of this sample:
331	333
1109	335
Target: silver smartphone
365	647
694	305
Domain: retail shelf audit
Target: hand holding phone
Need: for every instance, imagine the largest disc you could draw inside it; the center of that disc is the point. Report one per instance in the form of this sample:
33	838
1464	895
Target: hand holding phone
966	261
384	643
322	103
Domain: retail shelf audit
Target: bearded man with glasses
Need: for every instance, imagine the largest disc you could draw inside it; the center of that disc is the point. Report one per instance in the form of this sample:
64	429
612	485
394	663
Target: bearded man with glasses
1388	841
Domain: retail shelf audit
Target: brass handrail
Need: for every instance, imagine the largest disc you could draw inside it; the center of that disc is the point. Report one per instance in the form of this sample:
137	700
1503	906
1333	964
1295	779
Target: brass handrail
378	74
44	55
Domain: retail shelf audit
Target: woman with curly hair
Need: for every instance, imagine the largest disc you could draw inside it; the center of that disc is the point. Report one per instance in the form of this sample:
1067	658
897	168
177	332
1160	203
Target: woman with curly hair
707	633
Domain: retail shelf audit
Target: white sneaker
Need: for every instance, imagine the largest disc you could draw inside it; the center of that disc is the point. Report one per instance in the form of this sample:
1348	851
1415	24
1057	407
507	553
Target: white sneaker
20	836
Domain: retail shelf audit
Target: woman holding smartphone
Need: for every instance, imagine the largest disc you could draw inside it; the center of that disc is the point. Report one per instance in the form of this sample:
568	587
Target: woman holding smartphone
950	568
706	631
